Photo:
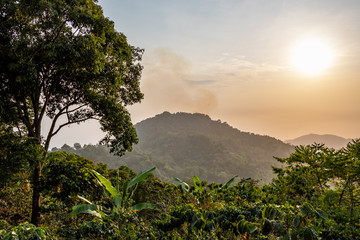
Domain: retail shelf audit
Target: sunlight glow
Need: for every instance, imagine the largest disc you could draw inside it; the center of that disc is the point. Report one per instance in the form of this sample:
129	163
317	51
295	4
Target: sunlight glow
312	56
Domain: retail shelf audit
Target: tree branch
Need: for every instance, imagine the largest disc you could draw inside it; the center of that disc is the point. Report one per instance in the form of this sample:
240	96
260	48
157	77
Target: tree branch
72	122
62	111
25	119
19	130
46	94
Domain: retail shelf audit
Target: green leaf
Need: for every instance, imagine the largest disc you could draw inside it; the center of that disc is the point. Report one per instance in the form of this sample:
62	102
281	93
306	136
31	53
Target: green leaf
11	235
183	184
227	184
288	236
278	228
254	229
107	184
197	183
93	209
117	180
297	221
321	214
245	180
243	227
303	211
125	188
140	177
141	206
269	212
266	227
84	199
308	234
307	209
117	201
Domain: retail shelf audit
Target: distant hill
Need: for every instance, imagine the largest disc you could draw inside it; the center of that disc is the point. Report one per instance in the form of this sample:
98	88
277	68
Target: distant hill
183	145
329	140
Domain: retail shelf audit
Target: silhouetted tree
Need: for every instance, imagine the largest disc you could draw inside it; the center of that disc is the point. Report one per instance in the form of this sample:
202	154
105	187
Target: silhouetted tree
77	146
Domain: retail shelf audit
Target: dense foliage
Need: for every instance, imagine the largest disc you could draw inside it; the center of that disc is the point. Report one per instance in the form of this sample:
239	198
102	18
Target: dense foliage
314	196
64	61
183	145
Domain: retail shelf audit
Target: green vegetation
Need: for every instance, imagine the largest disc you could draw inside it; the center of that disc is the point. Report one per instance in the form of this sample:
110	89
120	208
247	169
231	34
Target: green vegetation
63	62
315	195
119	200
184	145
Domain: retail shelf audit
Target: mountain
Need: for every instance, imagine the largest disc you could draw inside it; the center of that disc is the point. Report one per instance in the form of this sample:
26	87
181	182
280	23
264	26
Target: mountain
329	140
183	145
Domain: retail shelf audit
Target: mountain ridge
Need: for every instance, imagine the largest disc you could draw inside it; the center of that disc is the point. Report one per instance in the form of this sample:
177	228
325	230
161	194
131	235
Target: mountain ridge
183	145
330	140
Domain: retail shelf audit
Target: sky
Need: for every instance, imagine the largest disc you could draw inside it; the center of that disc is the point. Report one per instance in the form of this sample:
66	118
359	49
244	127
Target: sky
233	60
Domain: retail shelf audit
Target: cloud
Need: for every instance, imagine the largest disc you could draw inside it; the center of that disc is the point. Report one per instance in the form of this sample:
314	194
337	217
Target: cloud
256	97
169	84
201	82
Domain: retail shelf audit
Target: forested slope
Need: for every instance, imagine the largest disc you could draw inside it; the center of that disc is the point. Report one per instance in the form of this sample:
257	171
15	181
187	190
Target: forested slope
183	145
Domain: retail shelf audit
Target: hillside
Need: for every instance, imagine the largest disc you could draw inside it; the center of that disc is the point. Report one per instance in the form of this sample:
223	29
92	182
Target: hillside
183	145
331	141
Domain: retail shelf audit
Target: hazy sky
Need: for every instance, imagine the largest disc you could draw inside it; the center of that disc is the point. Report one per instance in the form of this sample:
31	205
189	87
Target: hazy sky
231	59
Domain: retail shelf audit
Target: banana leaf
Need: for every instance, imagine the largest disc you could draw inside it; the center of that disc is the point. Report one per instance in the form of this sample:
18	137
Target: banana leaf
183	184
93	209
227	184
140	177
107	184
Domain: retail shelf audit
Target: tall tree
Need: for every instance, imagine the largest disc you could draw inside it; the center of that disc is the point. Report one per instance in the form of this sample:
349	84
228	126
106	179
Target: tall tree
346	173
63	59
305	173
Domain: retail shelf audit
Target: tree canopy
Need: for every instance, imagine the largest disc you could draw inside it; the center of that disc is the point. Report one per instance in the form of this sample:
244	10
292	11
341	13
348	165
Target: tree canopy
66	61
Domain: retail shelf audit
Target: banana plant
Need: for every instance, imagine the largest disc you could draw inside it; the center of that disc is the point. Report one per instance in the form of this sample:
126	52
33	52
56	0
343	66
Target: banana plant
198	186
200	193
120	199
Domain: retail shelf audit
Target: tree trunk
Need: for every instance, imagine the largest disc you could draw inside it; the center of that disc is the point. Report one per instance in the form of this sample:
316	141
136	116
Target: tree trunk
35	214
351	205
343	191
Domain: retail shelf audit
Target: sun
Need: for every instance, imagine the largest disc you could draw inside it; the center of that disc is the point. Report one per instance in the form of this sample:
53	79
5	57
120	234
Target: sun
312	56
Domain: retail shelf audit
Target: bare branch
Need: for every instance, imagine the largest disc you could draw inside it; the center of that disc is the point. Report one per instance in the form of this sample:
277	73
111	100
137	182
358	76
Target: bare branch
61	112
72	122
53	124
75	109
